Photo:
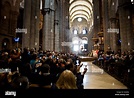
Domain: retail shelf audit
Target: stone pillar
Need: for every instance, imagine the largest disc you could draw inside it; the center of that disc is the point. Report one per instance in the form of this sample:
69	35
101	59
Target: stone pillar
32	35
61	34
12	28
46	22
113	30
37	13
129	28
105	24
27	19
97	22
113	34
64	24
122	30
96	15
52	14
48	25
127	39
133	25
56	23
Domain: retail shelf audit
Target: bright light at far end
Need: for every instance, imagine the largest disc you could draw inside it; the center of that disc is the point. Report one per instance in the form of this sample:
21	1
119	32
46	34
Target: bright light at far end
76	48
79	19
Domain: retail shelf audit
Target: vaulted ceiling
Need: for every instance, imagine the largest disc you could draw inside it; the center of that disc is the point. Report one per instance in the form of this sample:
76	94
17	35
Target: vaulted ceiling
80	9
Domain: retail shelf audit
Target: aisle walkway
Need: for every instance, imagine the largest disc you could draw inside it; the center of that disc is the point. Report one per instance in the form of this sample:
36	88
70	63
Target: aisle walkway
97	78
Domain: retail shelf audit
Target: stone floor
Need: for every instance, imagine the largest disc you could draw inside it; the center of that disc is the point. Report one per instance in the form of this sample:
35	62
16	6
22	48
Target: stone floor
97	78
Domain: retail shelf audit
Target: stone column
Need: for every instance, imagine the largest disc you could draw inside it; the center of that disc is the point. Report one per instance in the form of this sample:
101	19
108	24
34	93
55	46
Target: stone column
96	15
12	28
56	23
122	30
129	30
113	34
52	12
63	16
113	30
66	23
37	13
46	23
27	19
133	26
32	35
127	39
105	24
61	36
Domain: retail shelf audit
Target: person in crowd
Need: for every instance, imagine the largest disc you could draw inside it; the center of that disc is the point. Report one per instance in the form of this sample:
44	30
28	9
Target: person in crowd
20	83
43	79
27	71
34	60
25	57
80	76
67	80
4	83
15	54
4	60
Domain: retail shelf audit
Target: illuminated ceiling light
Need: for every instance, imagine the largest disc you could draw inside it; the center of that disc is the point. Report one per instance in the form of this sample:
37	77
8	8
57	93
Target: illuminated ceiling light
77	16
79	19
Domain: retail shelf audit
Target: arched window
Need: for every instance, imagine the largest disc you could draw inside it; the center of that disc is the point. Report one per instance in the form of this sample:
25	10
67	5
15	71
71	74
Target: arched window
84	31
75	31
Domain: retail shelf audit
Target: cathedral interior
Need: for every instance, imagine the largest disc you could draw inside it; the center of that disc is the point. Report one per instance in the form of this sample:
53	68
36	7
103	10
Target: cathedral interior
81	27
78	26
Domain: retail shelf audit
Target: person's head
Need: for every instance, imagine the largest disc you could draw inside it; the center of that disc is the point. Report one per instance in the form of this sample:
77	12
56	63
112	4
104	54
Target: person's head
45	68
70	60
20	83
26	69
70	66
34	56
67	80
26	49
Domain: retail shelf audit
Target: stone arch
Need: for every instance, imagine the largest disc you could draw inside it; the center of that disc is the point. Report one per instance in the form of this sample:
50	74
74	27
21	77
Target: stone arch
85	38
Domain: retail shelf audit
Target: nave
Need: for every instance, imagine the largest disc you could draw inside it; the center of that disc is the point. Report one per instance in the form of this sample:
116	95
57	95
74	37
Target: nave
97	78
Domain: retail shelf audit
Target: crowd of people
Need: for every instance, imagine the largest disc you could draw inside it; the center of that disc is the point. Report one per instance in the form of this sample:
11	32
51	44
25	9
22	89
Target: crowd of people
31	69
119	65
